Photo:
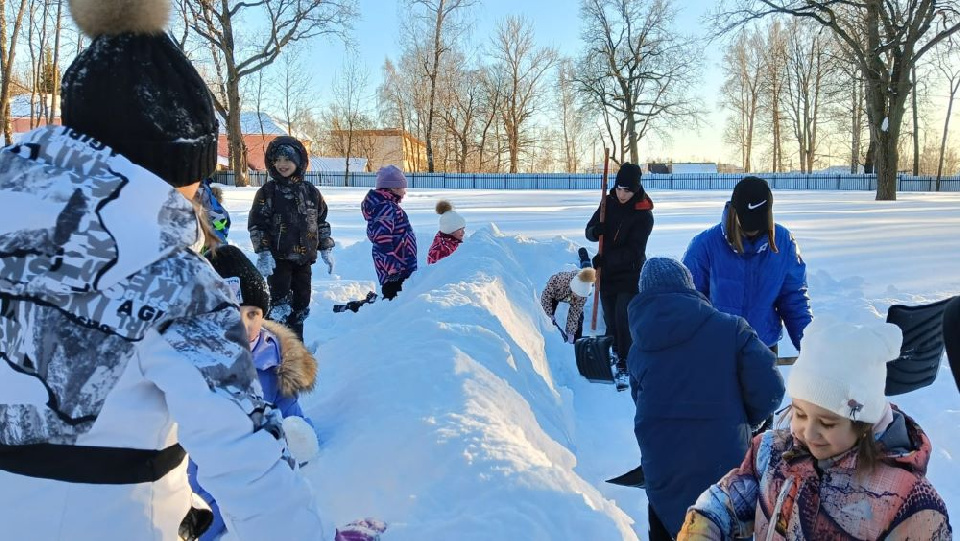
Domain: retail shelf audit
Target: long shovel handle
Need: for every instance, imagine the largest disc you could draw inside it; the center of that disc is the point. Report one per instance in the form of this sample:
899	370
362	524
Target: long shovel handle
603	213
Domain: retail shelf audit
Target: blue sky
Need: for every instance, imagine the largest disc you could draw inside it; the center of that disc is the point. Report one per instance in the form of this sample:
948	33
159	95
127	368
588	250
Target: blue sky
556	24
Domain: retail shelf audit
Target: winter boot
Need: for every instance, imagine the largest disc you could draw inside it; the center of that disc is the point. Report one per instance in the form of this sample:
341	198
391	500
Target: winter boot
584	258
621	378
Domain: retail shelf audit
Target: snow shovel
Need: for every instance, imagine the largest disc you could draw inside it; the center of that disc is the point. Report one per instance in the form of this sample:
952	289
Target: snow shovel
922	348
594	356
633	478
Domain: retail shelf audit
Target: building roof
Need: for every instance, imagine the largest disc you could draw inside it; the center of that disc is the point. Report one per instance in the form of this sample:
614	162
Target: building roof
250	124
680	168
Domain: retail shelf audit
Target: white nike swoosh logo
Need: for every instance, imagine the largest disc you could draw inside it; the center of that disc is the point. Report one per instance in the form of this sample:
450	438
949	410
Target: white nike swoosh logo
751	207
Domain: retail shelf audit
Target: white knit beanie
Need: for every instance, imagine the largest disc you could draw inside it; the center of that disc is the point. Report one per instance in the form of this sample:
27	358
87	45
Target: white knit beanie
581	282
842	367
450	221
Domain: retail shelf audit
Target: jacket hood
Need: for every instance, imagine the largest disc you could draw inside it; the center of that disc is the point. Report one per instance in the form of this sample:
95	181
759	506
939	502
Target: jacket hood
672	317
298	146
374	199
79	218
297	372
904	444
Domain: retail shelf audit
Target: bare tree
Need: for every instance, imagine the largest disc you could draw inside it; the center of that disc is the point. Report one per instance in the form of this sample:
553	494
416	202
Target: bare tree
573	118
637	68
492	94
346	114
808	61
743	66
524	66
947	63
282	22
434	28
886	38
392	104
774	83
293	85
462	107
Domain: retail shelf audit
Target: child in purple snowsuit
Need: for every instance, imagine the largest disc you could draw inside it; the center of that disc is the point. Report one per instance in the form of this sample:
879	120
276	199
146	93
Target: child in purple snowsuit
389	229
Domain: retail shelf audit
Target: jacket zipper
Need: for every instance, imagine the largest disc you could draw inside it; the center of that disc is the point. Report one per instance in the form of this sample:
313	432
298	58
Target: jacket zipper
775	517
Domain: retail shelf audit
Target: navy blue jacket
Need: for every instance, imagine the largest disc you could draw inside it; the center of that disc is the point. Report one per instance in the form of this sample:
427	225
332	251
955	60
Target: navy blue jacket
762	286
703	379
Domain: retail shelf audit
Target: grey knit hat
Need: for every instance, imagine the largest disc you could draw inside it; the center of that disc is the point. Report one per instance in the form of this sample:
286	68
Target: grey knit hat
665	274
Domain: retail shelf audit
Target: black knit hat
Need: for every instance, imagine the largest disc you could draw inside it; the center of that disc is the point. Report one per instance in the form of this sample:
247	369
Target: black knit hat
134	90
231	264
283	146
753	201
629	177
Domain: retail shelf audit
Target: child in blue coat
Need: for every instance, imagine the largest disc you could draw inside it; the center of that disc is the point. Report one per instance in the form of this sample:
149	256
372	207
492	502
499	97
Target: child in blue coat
284	366
702	380
750	266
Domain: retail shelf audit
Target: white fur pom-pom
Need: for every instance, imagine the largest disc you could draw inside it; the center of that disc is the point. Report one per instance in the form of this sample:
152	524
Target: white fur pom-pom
112	17
301	439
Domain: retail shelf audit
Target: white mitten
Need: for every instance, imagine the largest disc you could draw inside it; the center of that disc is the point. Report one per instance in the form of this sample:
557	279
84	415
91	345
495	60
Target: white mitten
301	439
265	263
327	256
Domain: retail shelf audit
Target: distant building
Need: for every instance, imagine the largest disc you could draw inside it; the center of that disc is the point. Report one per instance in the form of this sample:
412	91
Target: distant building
691	168
680	168
729	168
338	165
257	131
24	115
389	146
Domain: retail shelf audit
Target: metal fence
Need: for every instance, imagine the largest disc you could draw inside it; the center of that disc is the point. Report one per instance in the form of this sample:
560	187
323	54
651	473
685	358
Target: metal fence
565	181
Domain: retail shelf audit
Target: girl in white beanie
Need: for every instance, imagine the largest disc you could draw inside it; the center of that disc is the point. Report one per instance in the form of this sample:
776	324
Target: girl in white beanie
452	229
572	287
849	466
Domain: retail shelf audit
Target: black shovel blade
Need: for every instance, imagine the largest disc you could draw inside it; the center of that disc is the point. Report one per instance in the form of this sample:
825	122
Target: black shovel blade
633	478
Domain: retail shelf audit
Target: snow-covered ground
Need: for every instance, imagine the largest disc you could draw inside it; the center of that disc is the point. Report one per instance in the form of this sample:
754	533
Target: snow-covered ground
456	411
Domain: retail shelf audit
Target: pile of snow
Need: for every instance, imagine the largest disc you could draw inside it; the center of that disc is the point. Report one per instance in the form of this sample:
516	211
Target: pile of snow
456	412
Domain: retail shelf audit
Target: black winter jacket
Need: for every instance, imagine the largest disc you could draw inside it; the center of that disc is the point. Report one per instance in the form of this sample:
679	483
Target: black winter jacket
289	215
628	226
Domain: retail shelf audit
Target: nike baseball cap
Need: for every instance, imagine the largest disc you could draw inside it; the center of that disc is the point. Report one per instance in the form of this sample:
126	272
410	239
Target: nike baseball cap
753	201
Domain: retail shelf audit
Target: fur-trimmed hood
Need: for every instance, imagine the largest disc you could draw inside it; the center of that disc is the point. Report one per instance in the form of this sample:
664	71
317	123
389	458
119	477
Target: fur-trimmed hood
297	372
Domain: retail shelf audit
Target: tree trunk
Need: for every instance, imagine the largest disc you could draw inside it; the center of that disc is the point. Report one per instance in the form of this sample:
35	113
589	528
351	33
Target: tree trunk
856	128
916	127
54	92
886	165
238	151
946	127
632	136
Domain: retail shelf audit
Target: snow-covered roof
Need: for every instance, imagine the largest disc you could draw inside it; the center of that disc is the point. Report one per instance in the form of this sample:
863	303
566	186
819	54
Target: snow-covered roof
319	163
20	106
250	124
693	168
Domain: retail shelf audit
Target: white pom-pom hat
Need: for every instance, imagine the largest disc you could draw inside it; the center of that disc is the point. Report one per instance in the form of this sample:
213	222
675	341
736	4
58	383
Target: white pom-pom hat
450	220
582	282
842	367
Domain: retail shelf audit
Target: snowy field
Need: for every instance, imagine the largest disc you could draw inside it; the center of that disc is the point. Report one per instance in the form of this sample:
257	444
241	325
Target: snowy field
456	411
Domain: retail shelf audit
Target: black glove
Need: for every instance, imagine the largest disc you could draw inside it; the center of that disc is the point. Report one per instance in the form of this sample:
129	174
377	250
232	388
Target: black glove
391	288
599	228
597	261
